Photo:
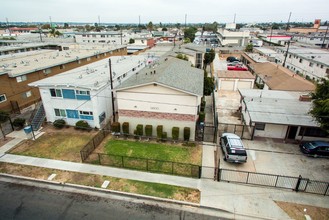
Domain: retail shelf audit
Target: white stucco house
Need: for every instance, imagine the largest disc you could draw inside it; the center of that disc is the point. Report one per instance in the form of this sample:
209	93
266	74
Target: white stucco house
85	93
279	114
167	93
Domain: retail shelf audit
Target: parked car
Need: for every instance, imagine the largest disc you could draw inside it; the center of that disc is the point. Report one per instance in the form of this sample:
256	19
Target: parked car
234	63
232	59
237	67
233	148
315	148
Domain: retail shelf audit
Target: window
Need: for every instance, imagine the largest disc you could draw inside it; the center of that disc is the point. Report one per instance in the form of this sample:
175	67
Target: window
85	113
21	78
47	71
60	112
56	93
327	71
80	92
311	64
300	60
102	117
260	126
62	67
27	94
321	66
289	55
3	98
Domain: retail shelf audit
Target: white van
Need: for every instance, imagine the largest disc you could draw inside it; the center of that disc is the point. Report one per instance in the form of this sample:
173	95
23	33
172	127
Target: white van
233	148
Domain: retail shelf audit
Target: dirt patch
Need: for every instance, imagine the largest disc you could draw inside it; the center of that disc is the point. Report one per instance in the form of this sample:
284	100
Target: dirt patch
298	211
5	141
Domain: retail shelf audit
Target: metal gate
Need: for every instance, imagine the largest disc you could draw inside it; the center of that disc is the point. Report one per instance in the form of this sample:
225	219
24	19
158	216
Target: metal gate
243	131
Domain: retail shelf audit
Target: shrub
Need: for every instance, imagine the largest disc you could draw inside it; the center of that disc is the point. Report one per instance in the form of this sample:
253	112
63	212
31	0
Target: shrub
164	136
125	127
187	132
148	130
116	127
83	125
19	122
202	116
203	104
59	123
139	129
175	133
159	131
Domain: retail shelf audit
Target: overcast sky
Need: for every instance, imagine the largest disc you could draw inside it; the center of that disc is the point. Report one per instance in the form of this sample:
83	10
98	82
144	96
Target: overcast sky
165	11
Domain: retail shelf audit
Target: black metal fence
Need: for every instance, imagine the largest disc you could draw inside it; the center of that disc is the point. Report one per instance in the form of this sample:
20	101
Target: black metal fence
241	130
299	184
150	165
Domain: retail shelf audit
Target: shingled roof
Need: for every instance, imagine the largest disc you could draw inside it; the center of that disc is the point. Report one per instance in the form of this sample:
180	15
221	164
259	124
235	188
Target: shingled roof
171	72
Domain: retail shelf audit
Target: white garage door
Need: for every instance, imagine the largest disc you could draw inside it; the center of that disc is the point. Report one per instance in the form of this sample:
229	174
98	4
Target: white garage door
227	85
244	85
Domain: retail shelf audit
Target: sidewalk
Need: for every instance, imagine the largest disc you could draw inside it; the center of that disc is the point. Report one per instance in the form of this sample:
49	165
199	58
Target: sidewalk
235	198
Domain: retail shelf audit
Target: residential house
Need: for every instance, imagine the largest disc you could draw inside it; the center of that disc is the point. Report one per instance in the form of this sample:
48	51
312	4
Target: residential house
234	80
18	70
233	37
86	93
167	93
279	114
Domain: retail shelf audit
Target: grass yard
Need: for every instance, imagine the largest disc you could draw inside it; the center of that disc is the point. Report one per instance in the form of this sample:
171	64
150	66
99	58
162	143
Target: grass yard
62	144
156	151
117	184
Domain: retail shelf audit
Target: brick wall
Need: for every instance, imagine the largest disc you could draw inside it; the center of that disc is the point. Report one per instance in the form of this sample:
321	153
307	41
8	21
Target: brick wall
157	115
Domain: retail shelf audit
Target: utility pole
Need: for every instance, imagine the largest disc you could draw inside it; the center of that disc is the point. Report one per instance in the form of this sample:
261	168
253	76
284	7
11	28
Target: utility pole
40	30
121	34
8	27
99	21
234	18
285	57
271	34
112	96
324	39
51	25
185	20
288	22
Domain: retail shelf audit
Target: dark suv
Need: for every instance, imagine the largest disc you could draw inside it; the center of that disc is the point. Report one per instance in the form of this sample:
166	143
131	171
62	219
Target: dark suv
232	59
233	148
315	148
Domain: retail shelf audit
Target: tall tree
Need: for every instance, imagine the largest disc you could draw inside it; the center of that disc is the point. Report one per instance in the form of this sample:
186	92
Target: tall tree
208	58
190	33
208	84
320	105
150	26
249	47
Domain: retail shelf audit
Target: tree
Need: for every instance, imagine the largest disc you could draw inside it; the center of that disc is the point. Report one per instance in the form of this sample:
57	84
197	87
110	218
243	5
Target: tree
131	41
208	84
208	58
320	105
164	29
182	56
190	33
66	25
150	26
187	40
249	48
45	26
4	116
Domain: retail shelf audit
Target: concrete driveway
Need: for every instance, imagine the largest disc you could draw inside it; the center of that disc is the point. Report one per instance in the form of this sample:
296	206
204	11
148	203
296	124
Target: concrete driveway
274	157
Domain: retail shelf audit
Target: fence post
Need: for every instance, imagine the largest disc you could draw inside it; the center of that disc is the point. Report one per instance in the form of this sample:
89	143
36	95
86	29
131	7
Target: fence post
81	153
247	178
172	167
276	181
298	183
219	174
93	143
325	193
200	171
99	159
122	161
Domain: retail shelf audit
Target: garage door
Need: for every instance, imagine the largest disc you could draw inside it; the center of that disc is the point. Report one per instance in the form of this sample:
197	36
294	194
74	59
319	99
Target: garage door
244	85
227	85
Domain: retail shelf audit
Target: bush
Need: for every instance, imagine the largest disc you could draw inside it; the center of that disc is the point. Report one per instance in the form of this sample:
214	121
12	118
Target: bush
139	129
83	125
116	127
125	127
187	132
175	133
202	116
148	130
19	122
59	123
159	131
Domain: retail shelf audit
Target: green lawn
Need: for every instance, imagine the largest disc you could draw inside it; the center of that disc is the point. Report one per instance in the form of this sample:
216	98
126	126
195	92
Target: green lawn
163	152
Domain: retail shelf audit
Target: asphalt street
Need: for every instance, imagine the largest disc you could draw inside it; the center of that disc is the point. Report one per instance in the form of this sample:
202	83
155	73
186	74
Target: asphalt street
31	202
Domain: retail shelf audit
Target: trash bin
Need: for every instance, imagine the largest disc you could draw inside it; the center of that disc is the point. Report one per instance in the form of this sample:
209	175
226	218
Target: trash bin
28	131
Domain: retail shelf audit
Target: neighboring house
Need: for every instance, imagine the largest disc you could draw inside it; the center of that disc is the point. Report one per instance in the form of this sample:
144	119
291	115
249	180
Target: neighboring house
279	114
25	47
309	62
167	93
271	76
20	69
85	93
233	38
314	39
234	80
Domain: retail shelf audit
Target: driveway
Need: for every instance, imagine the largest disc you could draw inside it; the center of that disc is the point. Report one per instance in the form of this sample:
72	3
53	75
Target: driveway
274	157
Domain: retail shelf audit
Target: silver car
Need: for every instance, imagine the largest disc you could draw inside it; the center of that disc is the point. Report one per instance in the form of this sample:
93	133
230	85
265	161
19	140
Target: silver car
233	148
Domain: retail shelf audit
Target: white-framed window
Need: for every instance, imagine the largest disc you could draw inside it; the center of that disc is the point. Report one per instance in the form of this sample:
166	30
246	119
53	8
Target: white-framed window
27	94
300	60
60	112
21	78
85	113
56	93
80	92
3	98
47	71
62	67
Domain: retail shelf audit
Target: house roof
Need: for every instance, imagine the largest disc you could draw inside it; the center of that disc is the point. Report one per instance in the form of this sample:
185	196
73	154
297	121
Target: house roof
277	77
235	74
170	72
277	107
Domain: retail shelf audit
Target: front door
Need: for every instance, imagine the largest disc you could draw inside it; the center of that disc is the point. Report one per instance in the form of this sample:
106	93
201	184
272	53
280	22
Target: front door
292	132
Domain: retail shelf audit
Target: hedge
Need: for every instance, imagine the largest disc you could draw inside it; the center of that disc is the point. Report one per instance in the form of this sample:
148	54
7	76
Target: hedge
175	133
187	132
116	127
19	122
148	130
139	129
83	125
59	123
159	131
125	127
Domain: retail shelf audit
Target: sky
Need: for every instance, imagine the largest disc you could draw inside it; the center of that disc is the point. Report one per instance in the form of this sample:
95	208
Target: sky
164	11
